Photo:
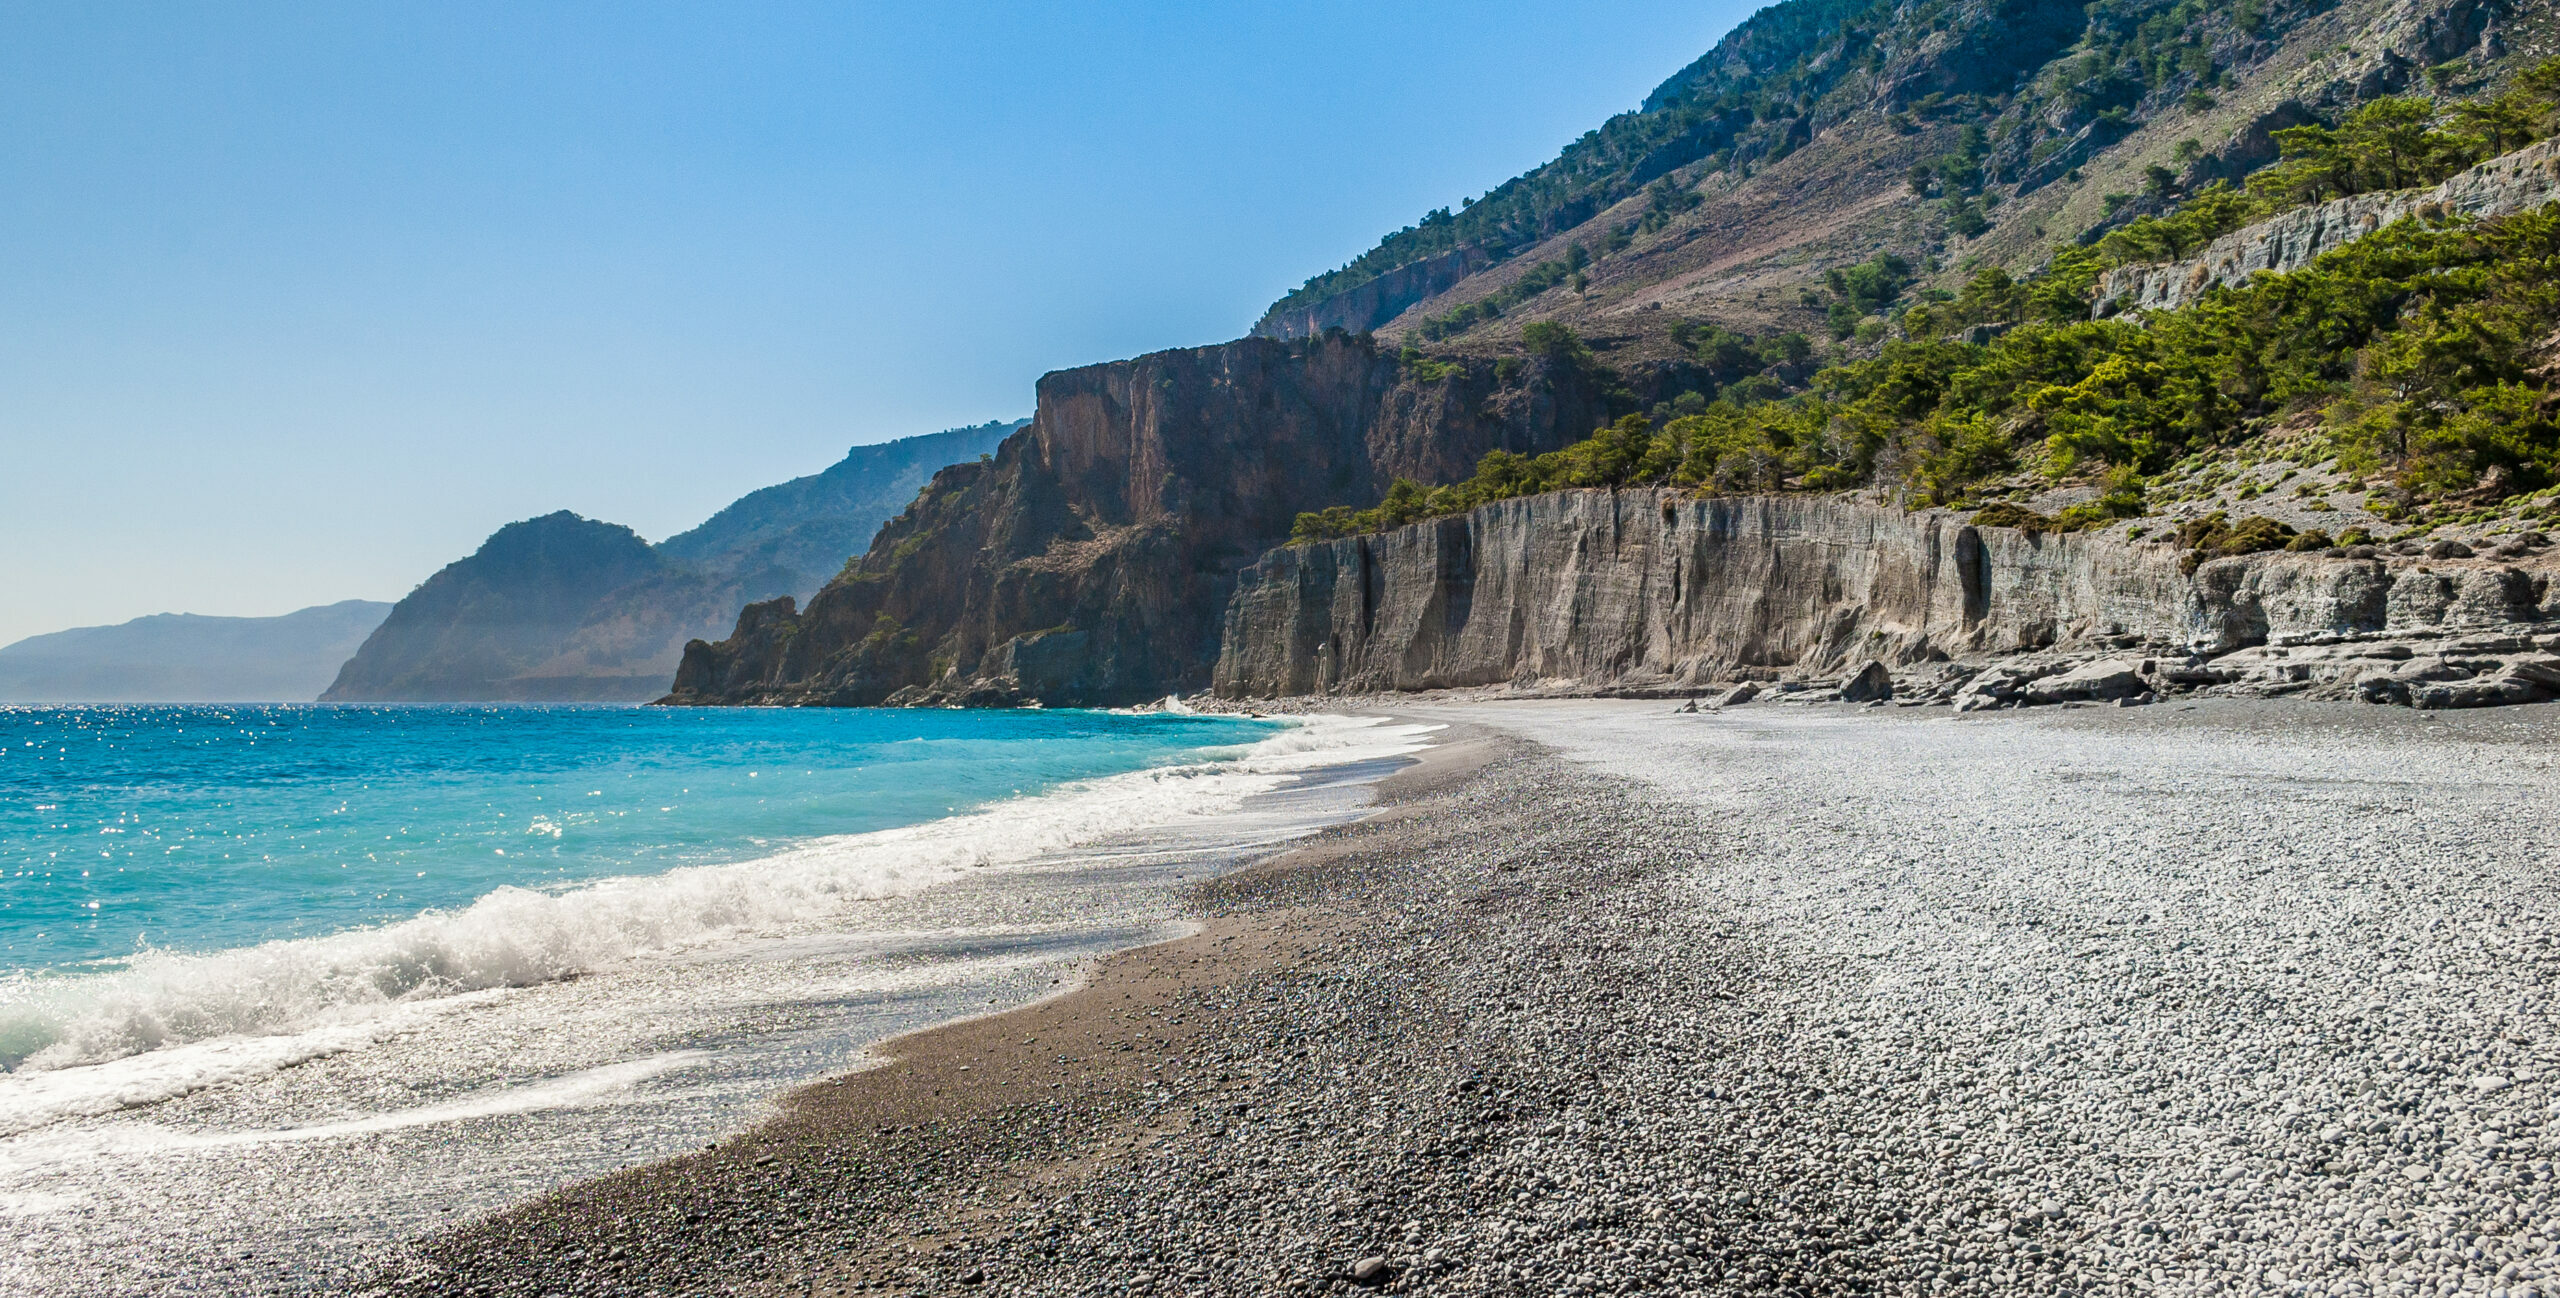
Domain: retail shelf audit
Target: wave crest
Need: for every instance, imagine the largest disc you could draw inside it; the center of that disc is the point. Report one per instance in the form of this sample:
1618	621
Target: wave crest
516	937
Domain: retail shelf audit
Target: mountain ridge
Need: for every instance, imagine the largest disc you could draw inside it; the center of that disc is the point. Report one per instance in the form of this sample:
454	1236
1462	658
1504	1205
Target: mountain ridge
567	609
190	657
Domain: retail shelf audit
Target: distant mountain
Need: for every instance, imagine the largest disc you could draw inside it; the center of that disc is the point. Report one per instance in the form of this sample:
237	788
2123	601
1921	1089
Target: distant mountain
475	629
564	608
187	658
810	526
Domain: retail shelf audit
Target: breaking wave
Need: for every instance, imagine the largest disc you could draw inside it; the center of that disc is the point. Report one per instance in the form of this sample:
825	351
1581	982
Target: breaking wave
266	1006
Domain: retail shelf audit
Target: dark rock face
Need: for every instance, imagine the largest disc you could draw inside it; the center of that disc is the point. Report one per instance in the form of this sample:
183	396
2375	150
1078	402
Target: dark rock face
1090	561
1872	683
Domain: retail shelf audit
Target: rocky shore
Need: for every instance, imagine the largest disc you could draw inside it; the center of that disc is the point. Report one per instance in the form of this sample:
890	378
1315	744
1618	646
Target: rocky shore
2226	996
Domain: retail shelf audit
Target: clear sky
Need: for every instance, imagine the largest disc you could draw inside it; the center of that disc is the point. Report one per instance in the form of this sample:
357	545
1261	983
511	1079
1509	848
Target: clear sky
299	302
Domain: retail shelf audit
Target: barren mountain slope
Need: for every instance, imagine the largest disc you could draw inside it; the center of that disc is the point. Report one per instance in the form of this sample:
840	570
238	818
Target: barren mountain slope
1795	141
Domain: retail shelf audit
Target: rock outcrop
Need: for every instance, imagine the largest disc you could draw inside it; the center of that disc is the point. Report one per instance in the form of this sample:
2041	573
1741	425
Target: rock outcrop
1089	562
1371	303
2515	182
1652	590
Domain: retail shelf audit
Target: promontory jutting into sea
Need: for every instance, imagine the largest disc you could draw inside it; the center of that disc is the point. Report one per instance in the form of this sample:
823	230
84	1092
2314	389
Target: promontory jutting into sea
1927	665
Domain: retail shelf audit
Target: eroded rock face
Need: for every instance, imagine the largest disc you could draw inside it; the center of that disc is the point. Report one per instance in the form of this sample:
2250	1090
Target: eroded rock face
1650	587
1594	589
2514	182
1089	561
1368	305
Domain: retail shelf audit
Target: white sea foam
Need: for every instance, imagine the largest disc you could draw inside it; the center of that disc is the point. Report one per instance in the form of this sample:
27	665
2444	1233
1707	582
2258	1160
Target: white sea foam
216	1016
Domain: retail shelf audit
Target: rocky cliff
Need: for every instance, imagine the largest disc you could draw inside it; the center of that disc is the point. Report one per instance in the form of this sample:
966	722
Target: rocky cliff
1819	147
2515	182
1089	561
1652	589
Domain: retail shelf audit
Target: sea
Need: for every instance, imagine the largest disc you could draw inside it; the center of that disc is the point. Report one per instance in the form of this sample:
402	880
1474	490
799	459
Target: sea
282	987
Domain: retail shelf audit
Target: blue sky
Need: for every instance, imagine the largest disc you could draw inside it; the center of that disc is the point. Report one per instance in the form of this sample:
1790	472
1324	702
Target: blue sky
299	302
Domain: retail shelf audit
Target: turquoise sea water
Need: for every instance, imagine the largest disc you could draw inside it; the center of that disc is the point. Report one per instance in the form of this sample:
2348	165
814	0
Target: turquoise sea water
129	829
282	988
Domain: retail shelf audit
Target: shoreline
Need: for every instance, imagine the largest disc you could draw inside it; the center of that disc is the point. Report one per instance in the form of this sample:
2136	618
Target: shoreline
2229	996
1084	1055
291	1163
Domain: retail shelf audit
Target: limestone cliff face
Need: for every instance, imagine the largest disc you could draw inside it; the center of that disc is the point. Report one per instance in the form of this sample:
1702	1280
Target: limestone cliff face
1090	560
2514	182
1645	587
1375	302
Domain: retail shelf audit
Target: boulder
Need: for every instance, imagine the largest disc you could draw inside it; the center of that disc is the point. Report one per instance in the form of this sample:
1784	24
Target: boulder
1992	688
1743	693
2480	692
1872	683
2107	678
2491	597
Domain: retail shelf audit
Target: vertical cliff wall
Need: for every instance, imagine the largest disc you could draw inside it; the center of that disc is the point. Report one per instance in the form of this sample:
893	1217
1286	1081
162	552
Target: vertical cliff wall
1649	587
1090	560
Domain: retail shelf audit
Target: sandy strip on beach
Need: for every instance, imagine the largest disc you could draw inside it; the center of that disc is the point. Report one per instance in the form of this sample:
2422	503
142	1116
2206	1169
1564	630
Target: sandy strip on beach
863	1175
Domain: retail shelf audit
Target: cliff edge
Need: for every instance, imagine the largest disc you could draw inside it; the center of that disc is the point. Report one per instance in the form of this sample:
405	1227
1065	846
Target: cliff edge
1088	562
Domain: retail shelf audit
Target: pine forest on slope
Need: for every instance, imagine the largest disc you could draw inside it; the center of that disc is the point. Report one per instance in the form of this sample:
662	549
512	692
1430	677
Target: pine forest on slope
2412	361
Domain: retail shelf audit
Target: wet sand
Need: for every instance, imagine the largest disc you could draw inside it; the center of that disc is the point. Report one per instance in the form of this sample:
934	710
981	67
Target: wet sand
866	1180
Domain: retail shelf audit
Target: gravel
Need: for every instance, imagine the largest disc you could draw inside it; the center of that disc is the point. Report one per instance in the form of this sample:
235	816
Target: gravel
2198	998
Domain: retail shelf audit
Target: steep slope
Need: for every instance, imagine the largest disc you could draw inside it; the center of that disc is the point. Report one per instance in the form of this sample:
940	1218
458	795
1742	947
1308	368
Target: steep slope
1089	561
2503	186
1822	134
475	629
809	526
622	642
188	658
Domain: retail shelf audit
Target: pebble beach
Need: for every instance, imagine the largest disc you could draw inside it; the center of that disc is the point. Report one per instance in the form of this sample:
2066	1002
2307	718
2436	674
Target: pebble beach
2216	997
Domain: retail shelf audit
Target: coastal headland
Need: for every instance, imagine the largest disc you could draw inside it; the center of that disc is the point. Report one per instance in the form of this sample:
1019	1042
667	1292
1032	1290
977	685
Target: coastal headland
2230	995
